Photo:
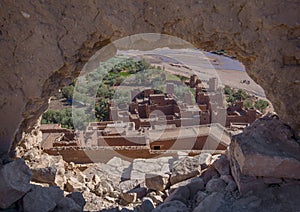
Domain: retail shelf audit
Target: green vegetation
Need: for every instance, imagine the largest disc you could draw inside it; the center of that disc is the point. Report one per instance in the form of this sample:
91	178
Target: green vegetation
261	105
93	91
63	117
67	92
233	95
111	73
173	77
248	104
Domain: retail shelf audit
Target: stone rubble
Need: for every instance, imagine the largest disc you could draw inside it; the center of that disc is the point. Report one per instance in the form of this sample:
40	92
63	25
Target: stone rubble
206	182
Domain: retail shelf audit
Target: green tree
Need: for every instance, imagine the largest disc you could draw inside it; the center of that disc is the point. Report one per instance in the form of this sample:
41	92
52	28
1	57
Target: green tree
102	110
67	92
248	104
63	117
261	104
228	90
240	95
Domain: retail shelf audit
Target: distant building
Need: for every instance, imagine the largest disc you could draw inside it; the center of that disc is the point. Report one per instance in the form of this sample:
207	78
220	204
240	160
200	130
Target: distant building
153	123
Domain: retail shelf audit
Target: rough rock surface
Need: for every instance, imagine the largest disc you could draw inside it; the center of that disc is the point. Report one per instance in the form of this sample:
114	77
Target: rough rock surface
146	206
157	182
42	199
78	199
244	182
45	45
141	167
103	190
215	185
67	204
14	182
173	206
211	203
221	164
184	169
48	169
267	148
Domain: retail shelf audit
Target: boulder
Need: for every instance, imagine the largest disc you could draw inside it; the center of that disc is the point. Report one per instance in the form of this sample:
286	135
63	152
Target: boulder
140	192
208	174
78	199
172	206
129	197
146	206
231	186
215	185
159	166
185	168
67	204
250	203
211	203
221	164
181	194
204	159
74	185
227	178
267	148
49	169
193	184
42	199
199	197
157	182
14	182
244	183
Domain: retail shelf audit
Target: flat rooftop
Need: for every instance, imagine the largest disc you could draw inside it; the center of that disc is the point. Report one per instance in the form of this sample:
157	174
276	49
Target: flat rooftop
214	130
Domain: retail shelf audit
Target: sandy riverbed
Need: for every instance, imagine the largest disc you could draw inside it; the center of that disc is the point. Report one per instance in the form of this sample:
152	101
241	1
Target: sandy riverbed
186	62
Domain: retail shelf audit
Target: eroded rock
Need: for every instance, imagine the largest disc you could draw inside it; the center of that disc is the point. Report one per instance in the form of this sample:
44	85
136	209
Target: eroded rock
185	168
172	206
129	197
211	203
181	194
78	199
146	206
215	185
157	182
42	199
48	169
221	164
14	182
67	204
267	148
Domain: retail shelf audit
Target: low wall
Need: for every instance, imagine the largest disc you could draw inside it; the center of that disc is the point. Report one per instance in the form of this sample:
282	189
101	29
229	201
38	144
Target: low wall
122	141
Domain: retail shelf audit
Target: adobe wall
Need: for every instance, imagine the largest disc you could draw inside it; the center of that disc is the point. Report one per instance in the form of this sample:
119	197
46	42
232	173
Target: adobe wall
103	155
188	144
46	47
121	141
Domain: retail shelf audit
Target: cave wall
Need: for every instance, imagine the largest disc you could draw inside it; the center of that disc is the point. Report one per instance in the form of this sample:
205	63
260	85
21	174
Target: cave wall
44	45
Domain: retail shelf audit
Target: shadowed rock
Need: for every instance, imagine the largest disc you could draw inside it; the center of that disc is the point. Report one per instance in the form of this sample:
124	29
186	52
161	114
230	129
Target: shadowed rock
14	182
